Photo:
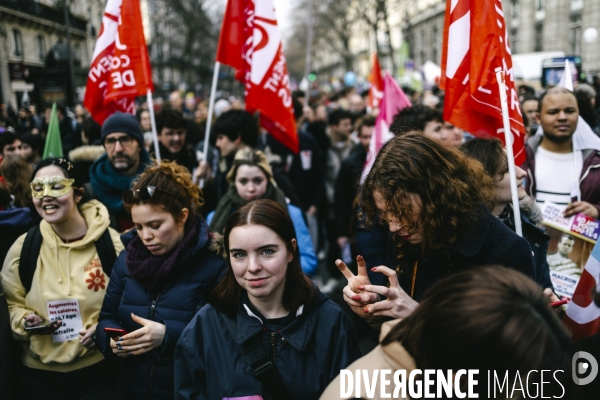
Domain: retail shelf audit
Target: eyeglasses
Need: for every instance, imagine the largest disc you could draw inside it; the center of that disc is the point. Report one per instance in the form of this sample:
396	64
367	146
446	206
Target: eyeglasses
144	193
125	141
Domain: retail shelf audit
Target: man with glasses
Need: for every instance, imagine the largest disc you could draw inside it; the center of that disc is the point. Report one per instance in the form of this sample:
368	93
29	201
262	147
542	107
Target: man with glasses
113	173
172	129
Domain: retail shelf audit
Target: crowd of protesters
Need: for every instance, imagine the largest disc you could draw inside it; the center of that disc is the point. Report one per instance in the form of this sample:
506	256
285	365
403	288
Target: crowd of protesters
219	284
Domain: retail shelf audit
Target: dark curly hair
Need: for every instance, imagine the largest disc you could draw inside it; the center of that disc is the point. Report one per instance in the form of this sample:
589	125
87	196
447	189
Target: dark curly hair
451	188
237	123
414	118
172	178
169	118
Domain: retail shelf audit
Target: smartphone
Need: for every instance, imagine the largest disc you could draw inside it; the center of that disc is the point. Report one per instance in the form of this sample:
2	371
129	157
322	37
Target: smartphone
115	333
42	326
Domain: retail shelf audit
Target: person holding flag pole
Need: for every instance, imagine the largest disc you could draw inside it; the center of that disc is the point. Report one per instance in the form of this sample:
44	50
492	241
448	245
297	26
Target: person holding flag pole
120	68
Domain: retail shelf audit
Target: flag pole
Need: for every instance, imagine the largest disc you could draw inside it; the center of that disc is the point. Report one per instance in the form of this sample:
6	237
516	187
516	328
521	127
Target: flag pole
211	107
308	50
508	139
153	122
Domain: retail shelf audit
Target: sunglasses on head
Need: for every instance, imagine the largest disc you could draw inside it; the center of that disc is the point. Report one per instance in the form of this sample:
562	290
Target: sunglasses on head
144	193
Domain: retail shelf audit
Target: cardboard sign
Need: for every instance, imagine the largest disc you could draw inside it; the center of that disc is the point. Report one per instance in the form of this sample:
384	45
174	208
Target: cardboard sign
579	225
67	311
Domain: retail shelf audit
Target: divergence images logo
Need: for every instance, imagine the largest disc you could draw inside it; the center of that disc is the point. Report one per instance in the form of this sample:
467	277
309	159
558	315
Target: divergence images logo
585	368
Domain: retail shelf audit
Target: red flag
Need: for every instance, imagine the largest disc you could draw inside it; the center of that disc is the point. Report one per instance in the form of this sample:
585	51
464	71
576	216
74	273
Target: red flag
120	68
475	44
376	81
583	315
250	42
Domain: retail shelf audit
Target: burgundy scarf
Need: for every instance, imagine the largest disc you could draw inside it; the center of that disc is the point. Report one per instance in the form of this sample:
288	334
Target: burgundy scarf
152	271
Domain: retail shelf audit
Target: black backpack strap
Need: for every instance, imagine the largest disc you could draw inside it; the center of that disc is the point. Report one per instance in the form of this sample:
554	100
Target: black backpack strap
106	252
264	370
29	255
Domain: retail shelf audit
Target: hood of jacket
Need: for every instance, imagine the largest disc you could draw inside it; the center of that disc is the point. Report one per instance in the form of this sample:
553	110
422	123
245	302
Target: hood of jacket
97	220
297	333
64	254
584	137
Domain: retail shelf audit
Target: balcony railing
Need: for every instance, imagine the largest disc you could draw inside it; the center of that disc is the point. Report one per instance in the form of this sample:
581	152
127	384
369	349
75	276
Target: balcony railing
42	11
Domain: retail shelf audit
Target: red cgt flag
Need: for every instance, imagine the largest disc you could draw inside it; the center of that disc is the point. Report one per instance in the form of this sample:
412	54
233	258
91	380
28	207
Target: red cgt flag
120	69
250	42
376	81
475	44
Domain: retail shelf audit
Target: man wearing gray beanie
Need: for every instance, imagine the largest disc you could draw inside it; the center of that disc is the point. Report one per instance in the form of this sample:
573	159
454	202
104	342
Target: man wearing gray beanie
113	173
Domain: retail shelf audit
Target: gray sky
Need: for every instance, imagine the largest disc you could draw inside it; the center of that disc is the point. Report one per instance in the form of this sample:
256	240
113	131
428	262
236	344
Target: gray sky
283	8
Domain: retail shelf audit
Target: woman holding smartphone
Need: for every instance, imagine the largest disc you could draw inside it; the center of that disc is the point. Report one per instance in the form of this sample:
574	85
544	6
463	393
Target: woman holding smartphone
267	332
159	282
54	300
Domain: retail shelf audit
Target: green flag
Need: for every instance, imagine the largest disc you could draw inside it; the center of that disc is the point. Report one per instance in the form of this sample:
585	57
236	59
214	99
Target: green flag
53	146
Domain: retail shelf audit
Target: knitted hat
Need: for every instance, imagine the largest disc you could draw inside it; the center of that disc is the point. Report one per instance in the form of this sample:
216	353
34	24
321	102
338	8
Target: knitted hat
123	123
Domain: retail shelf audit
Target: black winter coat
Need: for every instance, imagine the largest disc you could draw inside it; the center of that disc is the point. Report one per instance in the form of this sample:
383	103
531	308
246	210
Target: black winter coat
150	375
308	352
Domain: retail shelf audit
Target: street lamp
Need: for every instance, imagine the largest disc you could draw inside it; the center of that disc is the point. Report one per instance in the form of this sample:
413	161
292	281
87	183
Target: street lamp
589	35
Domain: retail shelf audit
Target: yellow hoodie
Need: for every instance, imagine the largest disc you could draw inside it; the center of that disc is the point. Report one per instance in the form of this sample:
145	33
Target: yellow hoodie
65	271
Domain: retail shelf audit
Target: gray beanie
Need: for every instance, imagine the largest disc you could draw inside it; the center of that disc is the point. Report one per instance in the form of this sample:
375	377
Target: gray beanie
123	123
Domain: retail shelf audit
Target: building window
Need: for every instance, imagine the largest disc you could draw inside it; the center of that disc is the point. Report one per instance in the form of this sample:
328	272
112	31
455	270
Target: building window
514	9
576	5
514	35
435	45
41	47
540	5
575	34
18	46
539	36
76	52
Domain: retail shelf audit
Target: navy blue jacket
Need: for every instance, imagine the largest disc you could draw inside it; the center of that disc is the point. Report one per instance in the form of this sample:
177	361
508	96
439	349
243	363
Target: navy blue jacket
150	375
309	352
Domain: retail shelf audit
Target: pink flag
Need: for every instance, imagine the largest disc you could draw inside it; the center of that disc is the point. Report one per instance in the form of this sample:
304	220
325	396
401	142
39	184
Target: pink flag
393	101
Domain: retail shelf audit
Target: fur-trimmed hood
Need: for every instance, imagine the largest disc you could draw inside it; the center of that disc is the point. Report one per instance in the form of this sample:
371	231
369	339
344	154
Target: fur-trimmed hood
86	153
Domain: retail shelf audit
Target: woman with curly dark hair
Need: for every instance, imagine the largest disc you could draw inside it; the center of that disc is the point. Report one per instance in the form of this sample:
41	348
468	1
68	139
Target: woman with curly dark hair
437	203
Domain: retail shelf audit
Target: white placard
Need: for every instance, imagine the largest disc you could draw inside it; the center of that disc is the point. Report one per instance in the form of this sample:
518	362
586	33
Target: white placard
564	285
67	311
306	158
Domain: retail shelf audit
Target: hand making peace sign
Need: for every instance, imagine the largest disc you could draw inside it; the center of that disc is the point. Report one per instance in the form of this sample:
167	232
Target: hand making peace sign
364	298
